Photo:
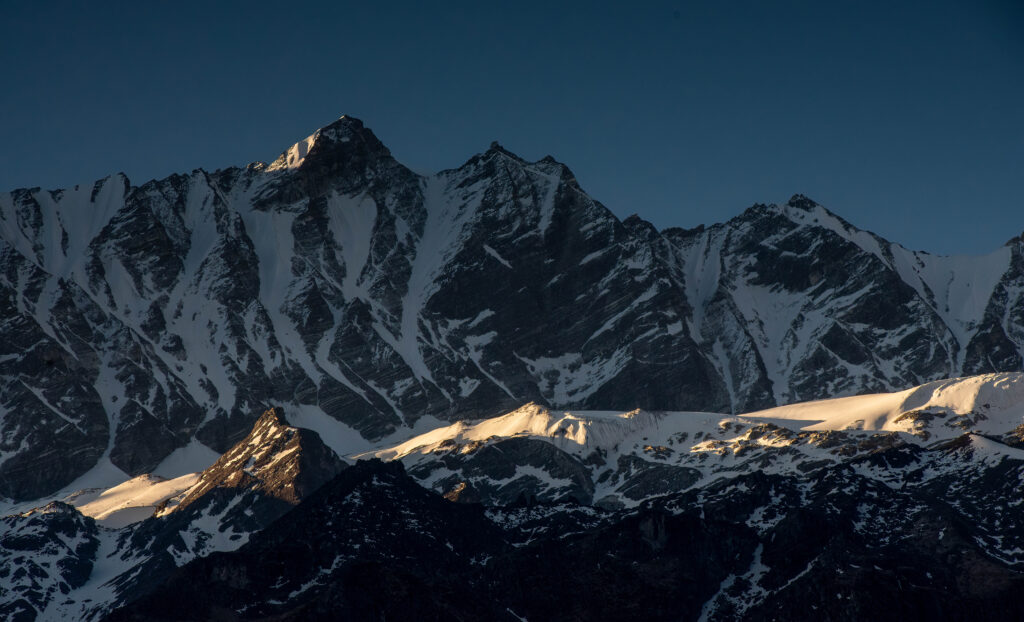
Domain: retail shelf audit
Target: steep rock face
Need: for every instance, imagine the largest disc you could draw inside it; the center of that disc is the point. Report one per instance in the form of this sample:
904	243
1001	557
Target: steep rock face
797	304
997	343
341	284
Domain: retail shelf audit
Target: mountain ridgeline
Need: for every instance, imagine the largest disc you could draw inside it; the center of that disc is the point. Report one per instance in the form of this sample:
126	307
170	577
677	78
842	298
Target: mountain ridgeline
347	288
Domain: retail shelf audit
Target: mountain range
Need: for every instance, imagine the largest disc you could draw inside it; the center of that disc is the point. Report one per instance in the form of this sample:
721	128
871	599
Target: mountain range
362	296
330	385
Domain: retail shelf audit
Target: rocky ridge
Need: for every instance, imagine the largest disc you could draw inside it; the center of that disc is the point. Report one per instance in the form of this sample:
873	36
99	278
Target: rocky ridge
883	506
257	481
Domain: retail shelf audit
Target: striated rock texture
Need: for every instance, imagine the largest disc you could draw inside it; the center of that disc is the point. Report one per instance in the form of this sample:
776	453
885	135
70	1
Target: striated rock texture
338	282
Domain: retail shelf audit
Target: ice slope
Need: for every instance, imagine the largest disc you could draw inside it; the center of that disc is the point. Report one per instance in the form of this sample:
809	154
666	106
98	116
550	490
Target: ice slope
116	499
621	458
134	500
986	404
991	404
997	398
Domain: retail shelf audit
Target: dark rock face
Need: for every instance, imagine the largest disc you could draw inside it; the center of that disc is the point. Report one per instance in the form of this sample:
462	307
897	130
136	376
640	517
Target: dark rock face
523	469
376	528
647	480
494	469
339	281
834	545
44	554
37	371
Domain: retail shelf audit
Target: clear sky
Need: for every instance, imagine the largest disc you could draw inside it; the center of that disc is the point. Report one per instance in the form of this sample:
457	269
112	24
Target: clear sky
906	118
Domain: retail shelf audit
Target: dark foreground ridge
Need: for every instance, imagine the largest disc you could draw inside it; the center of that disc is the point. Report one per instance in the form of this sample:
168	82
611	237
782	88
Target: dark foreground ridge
372	544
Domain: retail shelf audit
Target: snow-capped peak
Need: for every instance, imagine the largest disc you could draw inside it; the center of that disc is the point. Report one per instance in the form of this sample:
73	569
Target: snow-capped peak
340	130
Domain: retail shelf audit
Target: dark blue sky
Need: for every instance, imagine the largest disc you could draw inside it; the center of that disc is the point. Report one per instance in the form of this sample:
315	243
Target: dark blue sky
906	120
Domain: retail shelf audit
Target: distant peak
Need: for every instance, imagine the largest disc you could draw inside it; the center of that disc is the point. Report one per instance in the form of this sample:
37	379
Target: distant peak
343	122
294	156
497	148
548	164
639	226
802	202
799	208
329	139
273	416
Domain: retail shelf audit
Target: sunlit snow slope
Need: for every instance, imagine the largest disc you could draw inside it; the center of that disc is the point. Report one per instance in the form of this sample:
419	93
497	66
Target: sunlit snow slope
988	404
616	457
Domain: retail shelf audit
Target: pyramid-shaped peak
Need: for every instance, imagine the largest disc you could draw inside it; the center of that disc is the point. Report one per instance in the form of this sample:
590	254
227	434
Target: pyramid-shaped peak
273	416
275	458
641	227
344	124
347	133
